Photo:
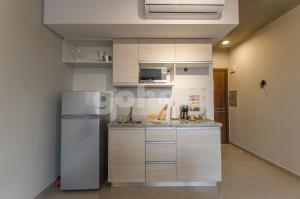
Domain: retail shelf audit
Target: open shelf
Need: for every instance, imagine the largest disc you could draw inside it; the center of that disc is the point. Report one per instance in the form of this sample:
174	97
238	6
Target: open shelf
90	64
144	85
157	85
87	53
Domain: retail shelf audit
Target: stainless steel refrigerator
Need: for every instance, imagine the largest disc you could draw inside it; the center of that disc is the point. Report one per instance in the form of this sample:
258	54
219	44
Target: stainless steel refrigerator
83	140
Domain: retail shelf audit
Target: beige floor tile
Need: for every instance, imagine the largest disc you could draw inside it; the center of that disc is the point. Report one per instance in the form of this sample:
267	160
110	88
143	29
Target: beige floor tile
244	177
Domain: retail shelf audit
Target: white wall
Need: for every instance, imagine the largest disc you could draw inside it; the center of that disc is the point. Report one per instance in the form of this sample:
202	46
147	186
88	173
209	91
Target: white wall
100	79
92	79
191	83
268	124
31	80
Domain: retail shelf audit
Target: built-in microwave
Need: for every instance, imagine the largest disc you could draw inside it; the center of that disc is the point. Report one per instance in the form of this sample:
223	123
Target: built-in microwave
153	74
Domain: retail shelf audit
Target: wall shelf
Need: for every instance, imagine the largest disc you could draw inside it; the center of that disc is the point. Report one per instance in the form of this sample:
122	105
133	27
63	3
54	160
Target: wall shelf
87	53
144	85
89	64
157	85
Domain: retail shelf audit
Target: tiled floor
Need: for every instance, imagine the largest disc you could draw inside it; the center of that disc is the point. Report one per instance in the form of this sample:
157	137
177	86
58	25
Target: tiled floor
244	177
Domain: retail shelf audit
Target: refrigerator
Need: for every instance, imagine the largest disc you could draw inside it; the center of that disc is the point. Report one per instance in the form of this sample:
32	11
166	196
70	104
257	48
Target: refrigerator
84	140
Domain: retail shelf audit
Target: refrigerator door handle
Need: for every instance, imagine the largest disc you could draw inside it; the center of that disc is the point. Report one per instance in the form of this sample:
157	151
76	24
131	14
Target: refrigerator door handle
69	117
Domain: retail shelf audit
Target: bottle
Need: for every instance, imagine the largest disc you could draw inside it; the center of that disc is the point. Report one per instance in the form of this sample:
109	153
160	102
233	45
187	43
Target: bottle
174	112
163	113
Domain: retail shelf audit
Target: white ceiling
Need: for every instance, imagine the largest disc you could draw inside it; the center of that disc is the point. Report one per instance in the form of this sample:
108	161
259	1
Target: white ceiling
107	19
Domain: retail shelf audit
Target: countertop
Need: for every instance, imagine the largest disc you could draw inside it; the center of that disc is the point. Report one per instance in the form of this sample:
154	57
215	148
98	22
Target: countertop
173	123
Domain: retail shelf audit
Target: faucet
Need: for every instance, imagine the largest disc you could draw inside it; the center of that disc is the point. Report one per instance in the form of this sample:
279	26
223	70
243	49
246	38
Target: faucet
130	114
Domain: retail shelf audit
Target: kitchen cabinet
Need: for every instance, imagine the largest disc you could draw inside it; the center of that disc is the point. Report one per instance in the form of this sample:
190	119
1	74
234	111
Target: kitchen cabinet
193	50
157	50
198	154
126	155
161	172
164	154
125	66
160	152
160	155
161	135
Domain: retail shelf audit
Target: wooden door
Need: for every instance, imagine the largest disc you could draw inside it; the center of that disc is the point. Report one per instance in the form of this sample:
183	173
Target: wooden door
221	102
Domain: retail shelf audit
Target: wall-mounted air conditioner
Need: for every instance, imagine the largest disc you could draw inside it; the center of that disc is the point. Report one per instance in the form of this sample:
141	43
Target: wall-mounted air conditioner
184	9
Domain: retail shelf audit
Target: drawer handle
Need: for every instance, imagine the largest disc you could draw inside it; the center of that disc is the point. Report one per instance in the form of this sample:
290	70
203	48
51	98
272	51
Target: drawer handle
160	142
160	162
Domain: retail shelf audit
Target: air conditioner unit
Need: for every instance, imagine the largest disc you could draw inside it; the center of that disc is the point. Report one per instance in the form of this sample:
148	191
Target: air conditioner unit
184	9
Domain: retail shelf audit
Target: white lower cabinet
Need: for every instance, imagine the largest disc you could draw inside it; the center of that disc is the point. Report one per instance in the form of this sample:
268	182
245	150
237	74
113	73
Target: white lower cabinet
198	154
126	155
163	172
161	155
161	152
164	155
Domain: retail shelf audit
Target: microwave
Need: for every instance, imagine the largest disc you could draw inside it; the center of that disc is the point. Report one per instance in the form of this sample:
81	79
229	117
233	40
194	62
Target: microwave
153	74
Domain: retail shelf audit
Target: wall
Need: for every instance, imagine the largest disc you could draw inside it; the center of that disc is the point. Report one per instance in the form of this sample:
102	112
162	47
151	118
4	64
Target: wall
31	80
92	79
193	82
100	79
220	59
267	123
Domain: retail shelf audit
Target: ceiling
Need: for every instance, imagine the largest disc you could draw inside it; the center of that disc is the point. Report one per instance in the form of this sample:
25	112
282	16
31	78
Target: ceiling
255	15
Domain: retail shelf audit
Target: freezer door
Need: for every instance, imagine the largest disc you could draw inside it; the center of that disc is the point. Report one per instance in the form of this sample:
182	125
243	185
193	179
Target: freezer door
80	154
81	103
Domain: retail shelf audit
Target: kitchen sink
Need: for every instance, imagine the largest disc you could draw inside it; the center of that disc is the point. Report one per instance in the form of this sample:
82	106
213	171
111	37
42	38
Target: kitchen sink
130	122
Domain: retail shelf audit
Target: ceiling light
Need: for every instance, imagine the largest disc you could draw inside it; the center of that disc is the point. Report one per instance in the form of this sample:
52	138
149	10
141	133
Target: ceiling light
225	42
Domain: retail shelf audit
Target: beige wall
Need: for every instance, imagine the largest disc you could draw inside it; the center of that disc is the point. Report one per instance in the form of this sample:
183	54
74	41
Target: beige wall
31	80
221	59
268	124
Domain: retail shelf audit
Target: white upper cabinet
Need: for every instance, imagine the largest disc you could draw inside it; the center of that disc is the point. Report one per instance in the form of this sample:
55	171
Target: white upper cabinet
125	66
157	50
193	50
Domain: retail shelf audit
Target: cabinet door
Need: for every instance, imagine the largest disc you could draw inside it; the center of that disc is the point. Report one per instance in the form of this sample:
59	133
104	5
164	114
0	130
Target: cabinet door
125	66
198	155
126	155
193	50
156	50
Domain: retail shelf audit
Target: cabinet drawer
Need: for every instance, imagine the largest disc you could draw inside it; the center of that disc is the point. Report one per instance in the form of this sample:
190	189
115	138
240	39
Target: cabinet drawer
161	152
160	172
164	135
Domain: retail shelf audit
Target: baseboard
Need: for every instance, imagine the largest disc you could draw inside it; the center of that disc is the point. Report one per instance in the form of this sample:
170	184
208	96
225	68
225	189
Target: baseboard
44	191
163	184
285	170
